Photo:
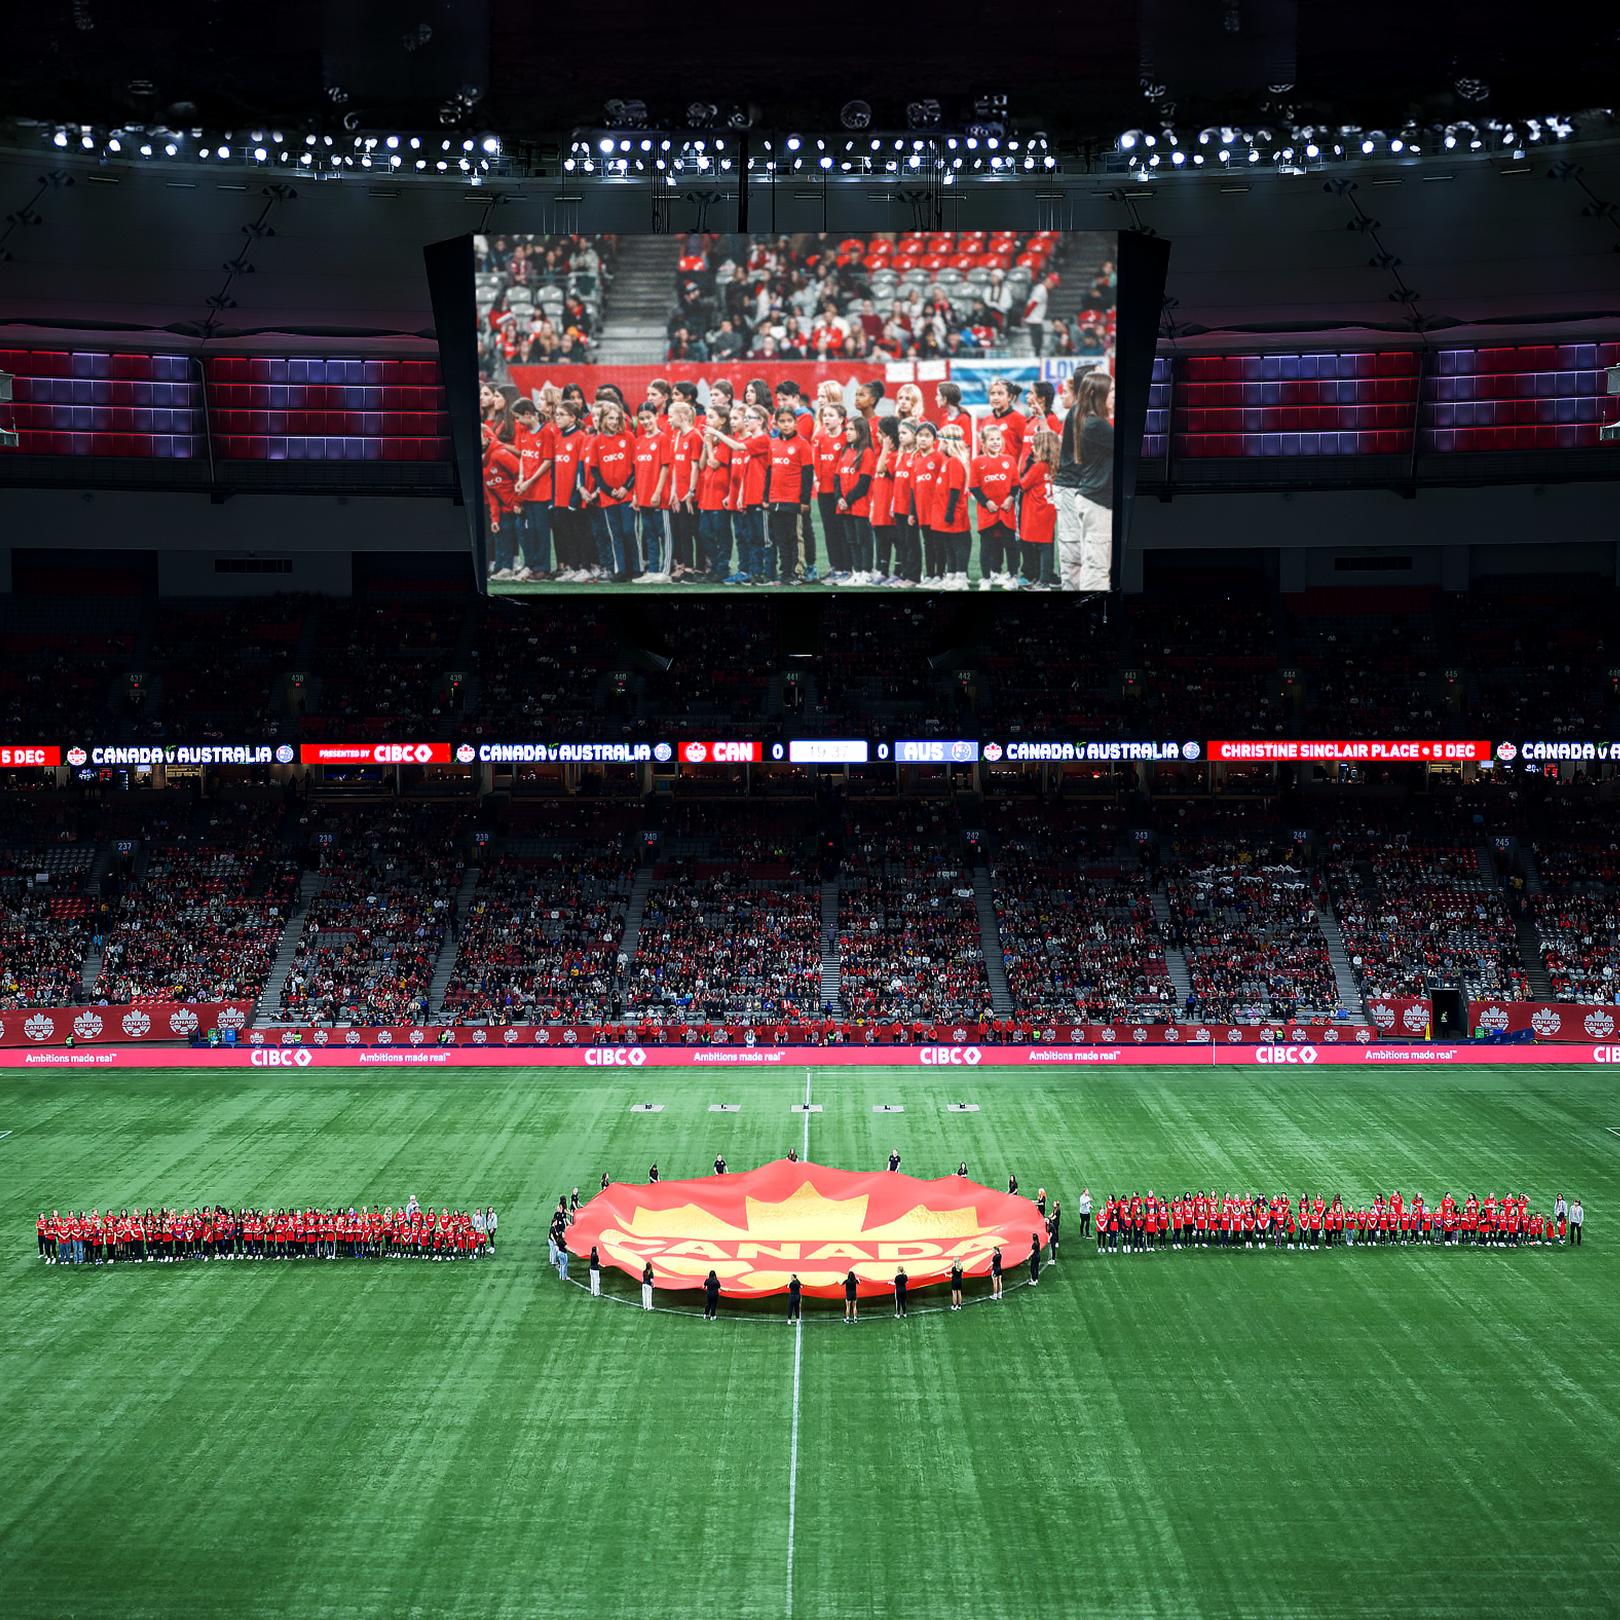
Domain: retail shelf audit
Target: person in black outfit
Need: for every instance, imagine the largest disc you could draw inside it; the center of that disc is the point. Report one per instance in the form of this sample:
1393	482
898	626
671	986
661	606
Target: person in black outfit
1040	1202
894	1162
900	1292
604	1181
793	1155
719	1165
1034	1257
1012	1182
652	1175
850	1308
956	1285
961	1169
647	1286
1083	488
711	1297
1052	1227
795	1287
995	1275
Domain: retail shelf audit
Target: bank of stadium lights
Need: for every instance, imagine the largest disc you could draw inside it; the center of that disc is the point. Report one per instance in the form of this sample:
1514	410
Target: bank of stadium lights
1293	150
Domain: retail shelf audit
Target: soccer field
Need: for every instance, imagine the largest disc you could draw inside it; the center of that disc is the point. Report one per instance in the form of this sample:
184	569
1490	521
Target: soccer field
1340	1433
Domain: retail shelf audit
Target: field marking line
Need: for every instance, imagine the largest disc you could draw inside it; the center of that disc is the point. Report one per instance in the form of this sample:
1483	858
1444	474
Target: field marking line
793	1455
798	1358
4	1135
1608	1128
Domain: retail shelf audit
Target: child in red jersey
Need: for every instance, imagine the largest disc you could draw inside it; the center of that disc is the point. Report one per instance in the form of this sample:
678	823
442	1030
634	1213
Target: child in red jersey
570	515
927	470
853	486
685	461
828	446
993	482
612	490
788	491
953	507
652	459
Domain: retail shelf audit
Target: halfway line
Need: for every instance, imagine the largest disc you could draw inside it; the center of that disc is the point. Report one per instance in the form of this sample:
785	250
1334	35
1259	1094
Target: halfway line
798	1353
793	1457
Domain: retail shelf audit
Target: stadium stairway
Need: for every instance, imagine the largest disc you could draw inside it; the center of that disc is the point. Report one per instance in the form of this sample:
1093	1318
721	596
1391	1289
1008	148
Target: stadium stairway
995	964
264	1014
639	890
638	303
832	972
1175	961
1524	927
1344	978
444	968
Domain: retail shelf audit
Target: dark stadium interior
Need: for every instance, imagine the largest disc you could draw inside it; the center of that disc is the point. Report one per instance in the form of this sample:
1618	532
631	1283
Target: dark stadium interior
724	629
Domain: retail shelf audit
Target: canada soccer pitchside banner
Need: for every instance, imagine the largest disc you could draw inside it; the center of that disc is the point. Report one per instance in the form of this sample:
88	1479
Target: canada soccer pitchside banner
758	1229
154	1021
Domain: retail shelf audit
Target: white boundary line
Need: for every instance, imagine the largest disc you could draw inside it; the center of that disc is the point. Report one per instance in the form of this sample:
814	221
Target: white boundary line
4	1135
798	1361
1608	1128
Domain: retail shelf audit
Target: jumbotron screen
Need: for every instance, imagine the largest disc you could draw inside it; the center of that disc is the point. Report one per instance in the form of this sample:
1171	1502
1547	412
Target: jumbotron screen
926	411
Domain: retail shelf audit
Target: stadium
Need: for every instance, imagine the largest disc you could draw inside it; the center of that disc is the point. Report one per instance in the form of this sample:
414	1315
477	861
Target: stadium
709	682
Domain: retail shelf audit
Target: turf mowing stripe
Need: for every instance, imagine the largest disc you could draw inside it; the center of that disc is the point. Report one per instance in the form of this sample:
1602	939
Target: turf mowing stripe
798	1361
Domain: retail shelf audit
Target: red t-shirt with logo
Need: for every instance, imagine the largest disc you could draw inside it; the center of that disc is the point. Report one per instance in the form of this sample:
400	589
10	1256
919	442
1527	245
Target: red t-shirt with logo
789	458
995	478
651	459
614	457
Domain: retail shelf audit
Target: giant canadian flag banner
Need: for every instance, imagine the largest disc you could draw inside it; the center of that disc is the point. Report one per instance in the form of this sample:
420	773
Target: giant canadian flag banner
757	1229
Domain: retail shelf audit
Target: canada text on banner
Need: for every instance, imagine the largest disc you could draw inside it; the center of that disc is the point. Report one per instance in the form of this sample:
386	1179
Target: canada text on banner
1546	1020
757	1229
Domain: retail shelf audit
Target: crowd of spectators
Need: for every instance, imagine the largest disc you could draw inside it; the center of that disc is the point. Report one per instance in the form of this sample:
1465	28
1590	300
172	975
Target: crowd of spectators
204	919
1579	936
371	936
877	298
43	942
1428	917
539	298
1078	942
909	943
540	940
1243	915
716	943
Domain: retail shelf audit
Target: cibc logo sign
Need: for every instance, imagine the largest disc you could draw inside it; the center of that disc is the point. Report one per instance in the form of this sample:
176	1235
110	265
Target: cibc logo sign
1606	1054
612	1057
940	1056
273	1057
1285	1054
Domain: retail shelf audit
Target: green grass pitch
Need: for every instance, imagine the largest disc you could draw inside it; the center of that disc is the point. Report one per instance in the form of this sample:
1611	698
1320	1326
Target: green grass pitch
1363	1434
